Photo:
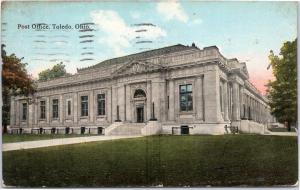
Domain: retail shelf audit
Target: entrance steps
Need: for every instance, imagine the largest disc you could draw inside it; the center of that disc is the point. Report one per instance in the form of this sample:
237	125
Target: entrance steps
127	129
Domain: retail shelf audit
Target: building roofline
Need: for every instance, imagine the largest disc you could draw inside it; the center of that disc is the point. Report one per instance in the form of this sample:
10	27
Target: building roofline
171	48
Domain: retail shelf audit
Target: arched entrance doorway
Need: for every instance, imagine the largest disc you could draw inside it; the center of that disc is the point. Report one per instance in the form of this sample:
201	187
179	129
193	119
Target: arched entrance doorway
139	98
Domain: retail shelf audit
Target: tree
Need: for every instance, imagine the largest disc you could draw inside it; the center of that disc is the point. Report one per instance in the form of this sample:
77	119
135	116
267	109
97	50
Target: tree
282	92
15	81
57	70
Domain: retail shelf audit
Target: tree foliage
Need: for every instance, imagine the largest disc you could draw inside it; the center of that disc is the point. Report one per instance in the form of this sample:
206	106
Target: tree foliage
15	81
56	71
282	92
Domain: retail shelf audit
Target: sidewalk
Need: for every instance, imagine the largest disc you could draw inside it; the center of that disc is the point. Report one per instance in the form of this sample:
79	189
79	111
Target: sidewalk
282	133
57	142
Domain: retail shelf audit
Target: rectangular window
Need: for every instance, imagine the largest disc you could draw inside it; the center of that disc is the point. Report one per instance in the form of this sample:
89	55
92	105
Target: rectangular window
168	102
69	107
84	106
43	109
186	97
101	104
244	111
24	111
55	108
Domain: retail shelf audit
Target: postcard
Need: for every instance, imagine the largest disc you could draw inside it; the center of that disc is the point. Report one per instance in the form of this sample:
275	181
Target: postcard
149	94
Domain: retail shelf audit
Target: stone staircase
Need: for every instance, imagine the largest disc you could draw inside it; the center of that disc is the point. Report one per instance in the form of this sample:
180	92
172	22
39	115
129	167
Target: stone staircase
127	129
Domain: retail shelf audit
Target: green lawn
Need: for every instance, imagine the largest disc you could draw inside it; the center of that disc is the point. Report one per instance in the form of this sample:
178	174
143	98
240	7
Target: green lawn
8	138
225	160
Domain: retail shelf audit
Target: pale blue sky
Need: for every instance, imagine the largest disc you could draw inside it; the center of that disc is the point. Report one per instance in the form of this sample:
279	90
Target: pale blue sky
246	30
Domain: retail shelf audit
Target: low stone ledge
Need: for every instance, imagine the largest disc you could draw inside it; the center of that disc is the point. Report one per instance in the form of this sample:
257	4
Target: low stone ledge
152	128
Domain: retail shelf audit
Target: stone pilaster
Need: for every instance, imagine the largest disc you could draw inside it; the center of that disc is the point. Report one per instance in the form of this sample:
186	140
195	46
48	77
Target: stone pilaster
48	110
246	106
36	111
221	96
128	103
242	114
108	104
30	114
156	93
203	97
256	110
251	109
91	106
226	106
61	109
75	106
114	103
236	102
230	97
12	112
171	116
149	100
163	101
121	102
18	111
260	113
199	98
212	97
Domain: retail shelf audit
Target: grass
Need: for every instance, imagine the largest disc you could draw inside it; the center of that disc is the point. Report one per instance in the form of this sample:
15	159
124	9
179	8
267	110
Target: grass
226	160
9	138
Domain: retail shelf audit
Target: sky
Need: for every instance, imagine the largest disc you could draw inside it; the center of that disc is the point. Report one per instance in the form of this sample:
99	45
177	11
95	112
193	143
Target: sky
243	30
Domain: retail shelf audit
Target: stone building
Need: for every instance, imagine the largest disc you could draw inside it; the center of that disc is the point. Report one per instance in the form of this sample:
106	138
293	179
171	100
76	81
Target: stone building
175	89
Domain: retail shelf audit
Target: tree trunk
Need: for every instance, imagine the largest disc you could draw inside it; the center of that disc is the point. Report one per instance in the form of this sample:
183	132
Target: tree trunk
289	126
4	129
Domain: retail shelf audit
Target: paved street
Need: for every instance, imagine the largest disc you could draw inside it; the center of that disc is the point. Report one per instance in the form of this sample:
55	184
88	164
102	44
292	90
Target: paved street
283	133
57	142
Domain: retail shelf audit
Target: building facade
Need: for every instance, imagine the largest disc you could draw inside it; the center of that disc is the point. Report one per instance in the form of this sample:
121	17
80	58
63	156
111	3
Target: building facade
173	86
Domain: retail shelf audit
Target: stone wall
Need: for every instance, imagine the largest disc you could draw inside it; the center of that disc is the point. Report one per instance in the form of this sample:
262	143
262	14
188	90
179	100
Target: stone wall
253	127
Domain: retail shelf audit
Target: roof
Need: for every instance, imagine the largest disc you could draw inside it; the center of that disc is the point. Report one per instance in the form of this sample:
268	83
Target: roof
141	55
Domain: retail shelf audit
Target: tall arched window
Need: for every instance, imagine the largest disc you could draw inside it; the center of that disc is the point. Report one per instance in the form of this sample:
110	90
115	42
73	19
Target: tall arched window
139	93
